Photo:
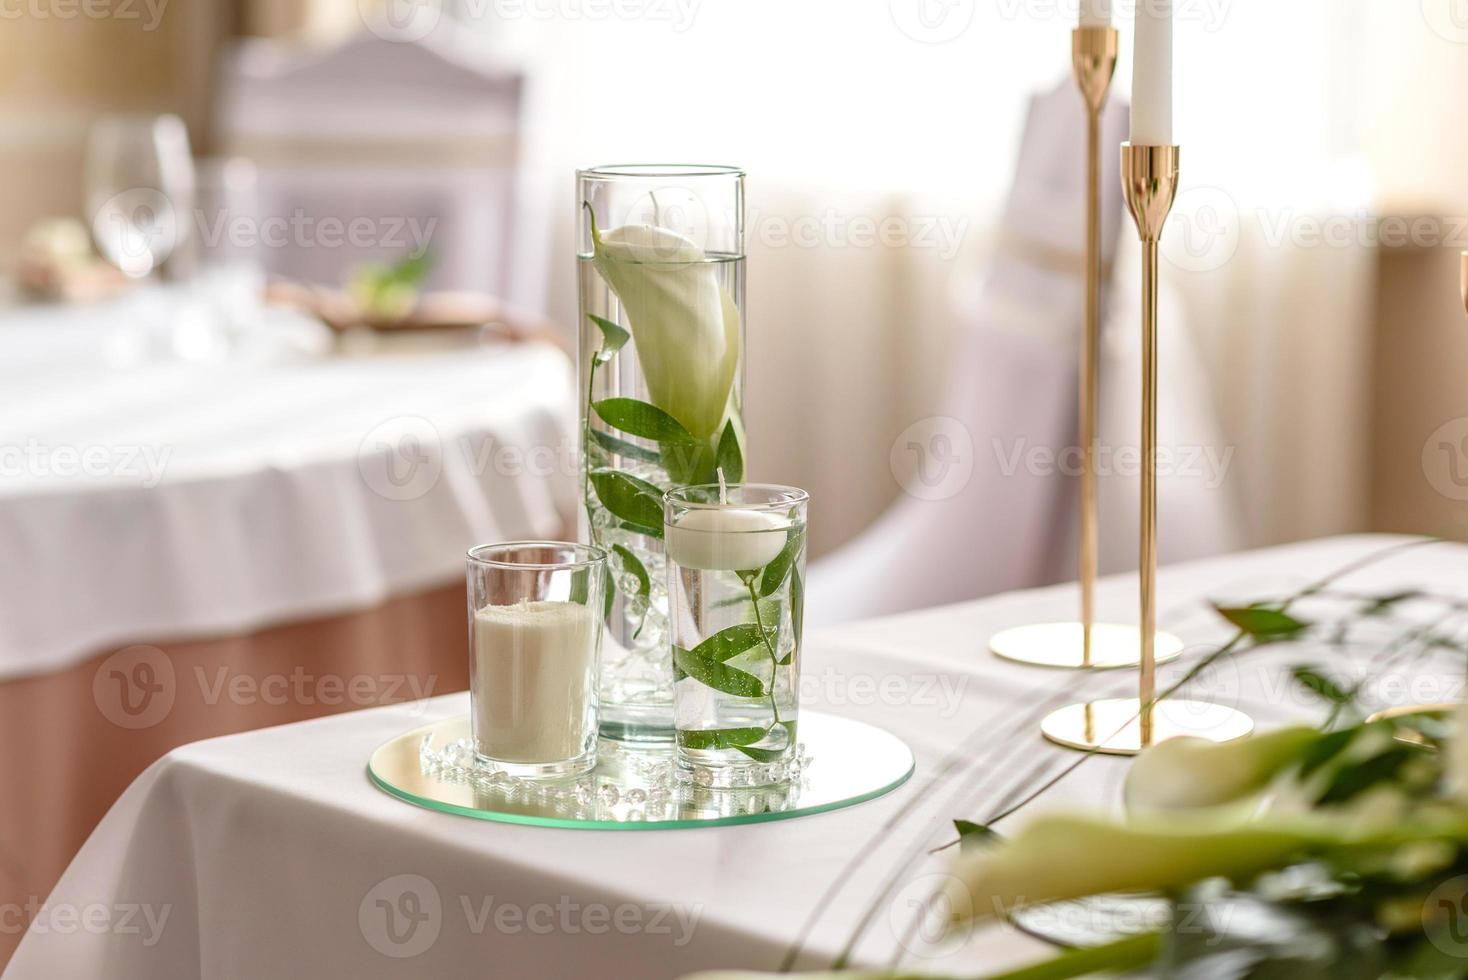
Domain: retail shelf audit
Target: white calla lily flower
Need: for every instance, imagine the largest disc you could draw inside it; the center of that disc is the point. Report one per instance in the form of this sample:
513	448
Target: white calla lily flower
1057	858
684	324
1190	773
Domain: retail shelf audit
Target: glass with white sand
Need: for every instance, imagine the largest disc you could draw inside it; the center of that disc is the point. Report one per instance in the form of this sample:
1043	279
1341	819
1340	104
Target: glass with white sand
535	627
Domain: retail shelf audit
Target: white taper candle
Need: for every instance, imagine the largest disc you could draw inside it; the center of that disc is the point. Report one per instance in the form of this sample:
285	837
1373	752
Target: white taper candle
1095	13
1152	74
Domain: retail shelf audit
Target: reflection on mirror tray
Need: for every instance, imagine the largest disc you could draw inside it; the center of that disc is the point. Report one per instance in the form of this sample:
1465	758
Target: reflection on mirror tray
840	763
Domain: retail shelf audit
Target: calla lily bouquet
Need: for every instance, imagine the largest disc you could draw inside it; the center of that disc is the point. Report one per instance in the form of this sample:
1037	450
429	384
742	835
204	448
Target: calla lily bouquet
1299	854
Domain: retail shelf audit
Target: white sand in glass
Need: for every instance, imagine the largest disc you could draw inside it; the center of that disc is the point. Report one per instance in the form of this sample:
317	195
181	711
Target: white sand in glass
534	667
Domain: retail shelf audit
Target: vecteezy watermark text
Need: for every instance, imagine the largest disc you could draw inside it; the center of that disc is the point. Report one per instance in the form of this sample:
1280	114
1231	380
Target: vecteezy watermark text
148	12
300	230
403	916
138	686
940	233
94	918
136	463
1205	464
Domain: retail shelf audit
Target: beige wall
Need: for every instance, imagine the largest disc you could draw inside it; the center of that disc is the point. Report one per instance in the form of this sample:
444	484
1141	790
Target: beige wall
1415	97
1420	385
57	73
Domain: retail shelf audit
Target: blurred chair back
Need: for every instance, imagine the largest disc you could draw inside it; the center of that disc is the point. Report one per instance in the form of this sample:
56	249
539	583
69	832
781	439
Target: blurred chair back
371	149
980	512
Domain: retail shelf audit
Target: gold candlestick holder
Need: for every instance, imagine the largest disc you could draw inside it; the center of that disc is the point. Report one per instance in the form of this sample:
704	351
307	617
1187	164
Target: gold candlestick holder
1087	644
1125	726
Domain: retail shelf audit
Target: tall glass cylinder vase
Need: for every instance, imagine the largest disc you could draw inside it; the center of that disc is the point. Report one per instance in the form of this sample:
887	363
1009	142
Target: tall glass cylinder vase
660	267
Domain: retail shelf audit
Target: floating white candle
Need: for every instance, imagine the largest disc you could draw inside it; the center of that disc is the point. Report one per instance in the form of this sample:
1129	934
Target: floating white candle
727	539
1095	13
1152	75
534	664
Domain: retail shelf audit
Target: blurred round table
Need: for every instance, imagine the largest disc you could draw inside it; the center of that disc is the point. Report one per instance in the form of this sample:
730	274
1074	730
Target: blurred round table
203	546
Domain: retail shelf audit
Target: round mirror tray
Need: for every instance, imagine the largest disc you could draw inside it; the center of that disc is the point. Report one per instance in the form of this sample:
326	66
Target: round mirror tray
841	763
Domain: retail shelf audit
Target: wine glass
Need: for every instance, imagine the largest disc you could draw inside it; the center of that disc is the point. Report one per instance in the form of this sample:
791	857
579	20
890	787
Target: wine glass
140	189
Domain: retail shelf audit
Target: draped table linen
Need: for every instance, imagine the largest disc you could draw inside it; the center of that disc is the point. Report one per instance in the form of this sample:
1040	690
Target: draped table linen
270	854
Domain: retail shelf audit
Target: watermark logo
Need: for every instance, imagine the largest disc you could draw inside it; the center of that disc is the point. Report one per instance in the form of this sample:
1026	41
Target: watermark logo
401	458
1203	234
137	228
922	913
400	20
135	687
1448	19
1445	459
932	21
401	916
1445	916
933	459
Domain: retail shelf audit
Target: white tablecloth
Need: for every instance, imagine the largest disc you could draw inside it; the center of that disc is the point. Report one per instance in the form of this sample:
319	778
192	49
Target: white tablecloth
147	499
268	854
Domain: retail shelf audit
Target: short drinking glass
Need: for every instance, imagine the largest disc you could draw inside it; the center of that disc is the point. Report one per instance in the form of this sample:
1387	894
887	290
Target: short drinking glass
535	628
736	573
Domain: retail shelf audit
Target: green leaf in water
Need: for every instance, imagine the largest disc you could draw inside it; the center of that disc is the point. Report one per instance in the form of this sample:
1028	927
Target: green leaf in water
614	337
720	738
635	568
763	755
797	610
717	675
772	755
634	500
622	447
729	643
730	458
778	569
641	419
688	462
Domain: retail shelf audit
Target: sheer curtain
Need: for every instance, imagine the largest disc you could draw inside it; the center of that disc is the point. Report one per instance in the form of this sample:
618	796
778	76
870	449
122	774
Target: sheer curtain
849	113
